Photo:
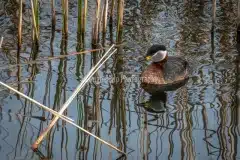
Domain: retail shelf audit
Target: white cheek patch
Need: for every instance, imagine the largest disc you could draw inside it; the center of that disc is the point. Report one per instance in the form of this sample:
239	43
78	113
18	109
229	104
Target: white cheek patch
159	56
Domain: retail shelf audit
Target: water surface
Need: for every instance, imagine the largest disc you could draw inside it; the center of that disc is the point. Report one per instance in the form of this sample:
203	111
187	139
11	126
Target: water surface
201	120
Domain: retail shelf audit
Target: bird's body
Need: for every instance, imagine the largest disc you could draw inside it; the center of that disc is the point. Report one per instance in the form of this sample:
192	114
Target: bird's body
169	73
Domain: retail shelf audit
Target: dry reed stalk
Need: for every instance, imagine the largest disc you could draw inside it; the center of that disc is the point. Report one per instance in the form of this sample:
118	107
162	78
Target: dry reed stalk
65	16
34	21
120	19
96	23
105	16
80	86
37	103
85	16
80	20
20	25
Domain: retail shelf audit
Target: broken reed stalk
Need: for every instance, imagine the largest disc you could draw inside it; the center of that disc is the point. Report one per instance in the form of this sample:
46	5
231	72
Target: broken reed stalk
85	16
65	17
214	14
80	20
37	103
105	14
120	19
34	16
70	99
20	26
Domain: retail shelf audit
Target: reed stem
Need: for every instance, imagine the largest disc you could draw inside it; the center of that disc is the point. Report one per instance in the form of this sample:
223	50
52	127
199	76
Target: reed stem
37	103
214	14
65	17
36	35
70	99
96	23
20	26
105	16
53	14
85	16
80	20
112	9
120	20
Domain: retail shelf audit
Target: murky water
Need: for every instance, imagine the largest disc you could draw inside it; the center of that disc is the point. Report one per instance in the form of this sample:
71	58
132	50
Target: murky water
201	119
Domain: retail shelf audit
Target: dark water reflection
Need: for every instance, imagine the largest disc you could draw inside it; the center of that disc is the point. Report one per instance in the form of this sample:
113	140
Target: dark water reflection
201	118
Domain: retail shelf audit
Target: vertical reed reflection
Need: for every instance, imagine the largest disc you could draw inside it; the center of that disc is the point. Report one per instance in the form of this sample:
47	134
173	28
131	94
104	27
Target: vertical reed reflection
18	72
117	103
53	27
96	112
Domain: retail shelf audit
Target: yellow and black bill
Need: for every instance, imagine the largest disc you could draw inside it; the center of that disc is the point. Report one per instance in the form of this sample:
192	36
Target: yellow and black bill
148	58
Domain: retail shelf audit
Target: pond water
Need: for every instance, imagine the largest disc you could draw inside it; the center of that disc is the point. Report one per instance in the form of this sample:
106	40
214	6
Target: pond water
197	121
